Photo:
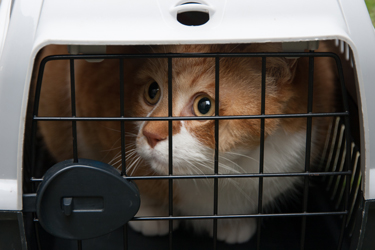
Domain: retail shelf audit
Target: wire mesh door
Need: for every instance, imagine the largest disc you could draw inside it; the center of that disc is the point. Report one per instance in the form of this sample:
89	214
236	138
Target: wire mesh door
340	178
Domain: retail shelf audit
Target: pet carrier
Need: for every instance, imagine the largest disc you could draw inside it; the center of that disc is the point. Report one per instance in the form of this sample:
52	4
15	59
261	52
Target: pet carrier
86	204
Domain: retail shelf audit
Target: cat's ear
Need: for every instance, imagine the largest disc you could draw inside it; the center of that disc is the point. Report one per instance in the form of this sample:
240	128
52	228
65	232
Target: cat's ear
282	70
292	64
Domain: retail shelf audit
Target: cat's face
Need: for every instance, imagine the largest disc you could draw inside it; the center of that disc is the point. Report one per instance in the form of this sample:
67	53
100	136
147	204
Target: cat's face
193	94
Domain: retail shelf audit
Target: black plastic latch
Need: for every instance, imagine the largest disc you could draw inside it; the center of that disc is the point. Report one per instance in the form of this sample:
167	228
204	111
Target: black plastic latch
84	200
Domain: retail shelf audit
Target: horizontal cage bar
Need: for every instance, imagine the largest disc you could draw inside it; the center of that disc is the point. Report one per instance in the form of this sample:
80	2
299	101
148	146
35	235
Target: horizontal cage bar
193	55
241	216
223	176
189	118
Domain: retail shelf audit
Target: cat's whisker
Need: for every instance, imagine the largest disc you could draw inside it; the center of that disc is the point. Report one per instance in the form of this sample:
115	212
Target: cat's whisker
129	159
211	163
228	168
204	164
131	152
242	170
131	134
243	155
248	157
128	134
197	171
114	158
119	165
118	161
110	149
112	162
130	145
112	129
135	165
119	154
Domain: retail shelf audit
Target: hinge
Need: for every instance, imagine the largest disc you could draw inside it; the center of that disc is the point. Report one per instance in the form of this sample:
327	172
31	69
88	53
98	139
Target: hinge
88	49
29	203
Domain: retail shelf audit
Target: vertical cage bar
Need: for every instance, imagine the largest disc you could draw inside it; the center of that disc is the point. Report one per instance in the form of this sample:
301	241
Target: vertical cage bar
122	113
79	244
308	147
261	147
125	236
33	148
170	148
37	234
216	160
73	103
38	89
123	162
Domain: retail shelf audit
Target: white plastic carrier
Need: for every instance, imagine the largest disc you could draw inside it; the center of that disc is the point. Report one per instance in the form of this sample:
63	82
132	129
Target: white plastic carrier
27	26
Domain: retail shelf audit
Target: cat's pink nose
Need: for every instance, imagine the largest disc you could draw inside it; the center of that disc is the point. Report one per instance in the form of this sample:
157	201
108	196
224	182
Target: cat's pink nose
153	138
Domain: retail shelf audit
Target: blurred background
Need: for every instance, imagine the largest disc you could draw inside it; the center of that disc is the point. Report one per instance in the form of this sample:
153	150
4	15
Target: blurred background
371	9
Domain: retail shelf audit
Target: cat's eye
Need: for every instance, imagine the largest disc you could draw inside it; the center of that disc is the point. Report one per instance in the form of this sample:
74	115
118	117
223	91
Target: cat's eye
152	93
203	106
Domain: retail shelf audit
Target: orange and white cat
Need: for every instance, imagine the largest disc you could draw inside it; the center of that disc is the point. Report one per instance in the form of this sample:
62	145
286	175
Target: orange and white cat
193	94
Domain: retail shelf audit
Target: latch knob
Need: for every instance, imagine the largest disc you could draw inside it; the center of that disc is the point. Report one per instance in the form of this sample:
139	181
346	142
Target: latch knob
67	206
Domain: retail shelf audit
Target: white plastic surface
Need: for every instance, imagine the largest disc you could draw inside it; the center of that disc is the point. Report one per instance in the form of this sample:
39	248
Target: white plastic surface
16	62
5	6
362	42
34	24
8	194
153	22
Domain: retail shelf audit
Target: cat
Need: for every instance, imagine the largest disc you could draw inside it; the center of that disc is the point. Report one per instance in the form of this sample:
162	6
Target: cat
193	94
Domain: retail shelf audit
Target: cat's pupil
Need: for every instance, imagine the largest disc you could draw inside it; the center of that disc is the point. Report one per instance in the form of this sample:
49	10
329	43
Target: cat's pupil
204	105
153	90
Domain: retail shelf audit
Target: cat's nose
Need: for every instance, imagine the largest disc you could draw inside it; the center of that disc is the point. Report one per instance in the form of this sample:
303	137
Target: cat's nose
153	138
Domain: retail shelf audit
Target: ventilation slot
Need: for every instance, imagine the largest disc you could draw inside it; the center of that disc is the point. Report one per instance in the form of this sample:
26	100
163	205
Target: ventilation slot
193	14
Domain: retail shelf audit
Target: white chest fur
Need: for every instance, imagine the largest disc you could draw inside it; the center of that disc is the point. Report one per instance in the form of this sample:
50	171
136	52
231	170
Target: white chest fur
283	152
